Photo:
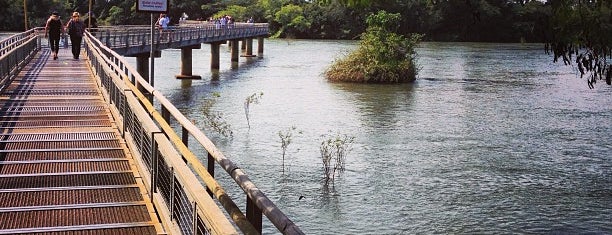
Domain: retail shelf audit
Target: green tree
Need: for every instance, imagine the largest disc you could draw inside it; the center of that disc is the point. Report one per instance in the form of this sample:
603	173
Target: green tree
383	56
238	12
292	20
334	21
581	33
351	3
12	13
530	20
115	15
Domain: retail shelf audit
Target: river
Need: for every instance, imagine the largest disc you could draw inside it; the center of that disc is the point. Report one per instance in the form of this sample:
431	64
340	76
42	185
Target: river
491	138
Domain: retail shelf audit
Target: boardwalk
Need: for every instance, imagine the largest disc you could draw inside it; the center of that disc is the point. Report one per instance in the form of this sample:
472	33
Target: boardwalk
85	151
63	166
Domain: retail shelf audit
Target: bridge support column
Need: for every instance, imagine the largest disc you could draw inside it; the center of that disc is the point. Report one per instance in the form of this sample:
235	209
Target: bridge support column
249	49
260	46
243	44
234	46
187	63
142	64
214	56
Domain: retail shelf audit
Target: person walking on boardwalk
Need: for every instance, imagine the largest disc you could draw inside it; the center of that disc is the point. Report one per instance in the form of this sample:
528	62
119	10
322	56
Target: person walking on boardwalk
54	30
76	29
163	23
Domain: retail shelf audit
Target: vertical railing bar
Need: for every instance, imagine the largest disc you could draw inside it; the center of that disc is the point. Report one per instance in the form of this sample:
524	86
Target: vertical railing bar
211	165
211	170
165	114
154	164
185	136
172	193
254	214
194	220
122	111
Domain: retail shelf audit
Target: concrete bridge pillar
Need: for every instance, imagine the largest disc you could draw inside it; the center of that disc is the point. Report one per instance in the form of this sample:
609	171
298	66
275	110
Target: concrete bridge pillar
260	46
187	63
142	64
214	55
243	45
234	46
249	47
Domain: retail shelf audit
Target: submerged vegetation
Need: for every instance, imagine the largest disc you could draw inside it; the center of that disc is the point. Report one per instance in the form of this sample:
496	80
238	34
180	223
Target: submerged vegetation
383	56
334	149
252	99
286	138
214	119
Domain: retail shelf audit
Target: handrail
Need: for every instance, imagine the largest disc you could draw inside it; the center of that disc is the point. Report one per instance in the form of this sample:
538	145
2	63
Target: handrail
15	52
257	201
134	40
177	199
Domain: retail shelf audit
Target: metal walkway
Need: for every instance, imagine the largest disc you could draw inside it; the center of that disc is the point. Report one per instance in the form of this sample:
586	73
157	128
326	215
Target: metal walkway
64	168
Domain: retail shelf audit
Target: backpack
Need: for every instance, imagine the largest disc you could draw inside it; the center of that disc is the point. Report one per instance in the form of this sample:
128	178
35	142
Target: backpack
55	27
75	28
71	28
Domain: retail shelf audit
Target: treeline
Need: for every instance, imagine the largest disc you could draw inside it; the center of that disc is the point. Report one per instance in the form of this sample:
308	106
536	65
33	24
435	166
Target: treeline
437	20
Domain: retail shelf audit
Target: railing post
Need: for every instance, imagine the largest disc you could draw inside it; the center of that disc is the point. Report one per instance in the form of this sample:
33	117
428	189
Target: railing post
211	165
253	214
108	44
211	170
165	114
127	37
184	139
185	136
172	194
154	173
194	221
122	112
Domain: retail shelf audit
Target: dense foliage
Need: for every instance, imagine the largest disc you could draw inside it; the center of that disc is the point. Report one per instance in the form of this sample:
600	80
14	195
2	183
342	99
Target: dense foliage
440	20
577	32
383	56
582	34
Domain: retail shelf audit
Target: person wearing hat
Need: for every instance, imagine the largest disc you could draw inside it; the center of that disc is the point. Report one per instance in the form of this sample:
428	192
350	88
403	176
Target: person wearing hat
76	29
54	30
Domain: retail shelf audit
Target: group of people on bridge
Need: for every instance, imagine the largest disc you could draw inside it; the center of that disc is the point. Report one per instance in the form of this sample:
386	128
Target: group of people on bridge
225	22
55	31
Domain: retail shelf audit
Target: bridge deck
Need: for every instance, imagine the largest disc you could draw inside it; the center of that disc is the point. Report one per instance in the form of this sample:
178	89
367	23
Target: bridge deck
64	168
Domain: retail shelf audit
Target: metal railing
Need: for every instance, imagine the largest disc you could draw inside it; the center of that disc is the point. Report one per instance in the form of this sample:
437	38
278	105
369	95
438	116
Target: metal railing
133	39
173	185
15	52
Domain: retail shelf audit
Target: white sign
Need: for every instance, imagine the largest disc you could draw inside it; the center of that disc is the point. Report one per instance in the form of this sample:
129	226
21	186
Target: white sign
152	5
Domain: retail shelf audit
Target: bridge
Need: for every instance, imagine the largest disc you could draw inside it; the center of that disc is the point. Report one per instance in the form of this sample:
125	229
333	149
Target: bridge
88	147
135	41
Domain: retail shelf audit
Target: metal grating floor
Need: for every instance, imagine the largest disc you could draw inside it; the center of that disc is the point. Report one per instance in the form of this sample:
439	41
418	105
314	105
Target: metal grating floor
64	168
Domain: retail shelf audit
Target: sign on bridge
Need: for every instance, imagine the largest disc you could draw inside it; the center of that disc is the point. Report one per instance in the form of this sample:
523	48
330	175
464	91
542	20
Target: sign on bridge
152	6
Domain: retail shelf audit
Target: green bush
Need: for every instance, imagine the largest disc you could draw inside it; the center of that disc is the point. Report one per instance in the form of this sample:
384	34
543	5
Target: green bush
382	56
